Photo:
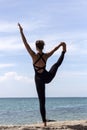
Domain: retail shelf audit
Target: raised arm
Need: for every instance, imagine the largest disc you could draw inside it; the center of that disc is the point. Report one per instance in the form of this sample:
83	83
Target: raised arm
31	52
63	44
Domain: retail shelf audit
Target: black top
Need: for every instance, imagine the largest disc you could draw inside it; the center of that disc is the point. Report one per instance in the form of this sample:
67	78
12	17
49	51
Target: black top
37	68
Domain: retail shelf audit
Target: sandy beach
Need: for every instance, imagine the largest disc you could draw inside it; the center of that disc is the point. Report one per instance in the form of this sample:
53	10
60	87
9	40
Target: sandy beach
57	125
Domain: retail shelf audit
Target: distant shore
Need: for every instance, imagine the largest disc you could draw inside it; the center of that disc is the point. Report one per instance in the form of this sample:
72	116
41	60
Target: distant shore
57	125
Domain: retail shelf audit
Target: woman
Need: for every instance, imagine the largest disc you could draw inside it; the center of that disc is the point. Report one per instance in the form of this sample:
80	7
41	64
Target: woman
42	76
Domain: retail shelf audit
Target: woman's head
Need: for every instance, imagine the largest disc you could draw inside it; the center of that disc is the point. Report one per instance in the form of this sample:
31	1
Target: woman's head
40	44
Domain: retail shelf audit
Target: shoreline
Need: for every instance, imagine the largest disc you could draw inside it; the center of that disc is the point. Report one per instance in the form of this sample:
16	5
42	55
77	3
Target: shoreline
56	125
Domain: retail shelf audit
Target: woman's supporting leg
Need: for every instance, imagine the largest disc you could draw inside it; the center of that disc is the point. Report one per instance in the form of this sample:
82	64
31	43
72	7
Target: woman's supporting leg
40	86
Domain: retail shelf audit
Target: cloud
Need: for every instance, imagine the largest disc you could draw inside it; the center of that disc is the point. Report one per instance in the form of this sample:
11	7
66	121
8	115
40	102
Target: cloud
14	76
74	74
10	44
6	65
6	26
13	84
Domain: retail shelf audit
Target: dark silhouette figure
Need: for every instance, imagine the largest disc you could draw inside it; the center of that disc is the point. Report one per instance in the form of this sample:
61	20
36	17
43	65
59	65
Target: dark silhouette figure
42	76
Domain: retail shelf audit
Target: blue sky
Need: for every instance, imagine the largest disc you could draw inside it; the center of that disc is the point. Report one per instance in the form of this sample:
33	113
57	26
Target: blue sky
53	21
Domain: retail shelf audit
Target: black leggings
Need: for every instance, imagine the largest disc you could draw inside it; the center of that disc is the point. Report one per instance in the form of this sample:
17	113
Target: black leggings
41	80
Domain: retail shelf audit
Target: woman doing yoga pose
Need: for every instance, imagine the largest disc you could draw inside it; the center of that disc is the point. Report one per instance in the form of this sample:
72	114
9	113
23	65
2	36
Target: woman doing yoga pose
42	76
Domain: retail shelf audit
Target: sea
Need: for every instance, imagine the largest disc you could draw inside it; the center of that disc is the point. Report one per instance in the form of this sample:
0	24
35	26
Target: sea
22	111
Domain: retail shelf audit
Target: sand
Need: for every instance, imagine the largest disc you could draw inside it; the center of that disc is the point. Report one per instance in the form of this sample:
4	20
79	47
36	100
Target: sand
57	125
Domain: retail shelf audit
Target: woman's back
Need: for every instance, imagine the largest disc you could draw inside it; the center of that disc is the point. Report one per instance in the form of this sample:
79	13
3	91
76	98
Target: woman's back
39	62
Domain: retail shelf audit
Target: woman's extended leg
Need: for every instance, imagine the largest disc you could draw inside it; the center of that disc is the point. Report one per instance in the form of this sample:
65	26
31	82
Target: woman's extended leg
55	67
40	86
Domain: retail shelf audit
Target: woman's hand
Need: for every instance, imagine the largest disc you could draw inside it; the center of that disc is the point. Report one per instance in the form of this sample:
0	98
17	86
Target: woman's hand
20	27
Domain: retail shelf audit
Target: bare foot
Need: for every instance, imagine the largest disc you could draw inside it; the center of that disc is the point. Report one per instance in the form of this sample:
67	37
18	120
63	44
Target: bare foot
45	124
64	46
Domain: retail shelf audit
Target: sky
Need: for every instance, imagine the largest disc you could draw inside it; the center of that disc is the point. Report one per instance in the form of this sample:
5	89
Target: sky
52	21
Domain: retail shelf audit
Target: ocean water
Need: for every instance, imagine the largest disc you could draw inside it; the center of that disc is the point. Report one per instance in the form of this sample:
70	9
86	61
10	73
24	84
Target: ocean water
17	111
